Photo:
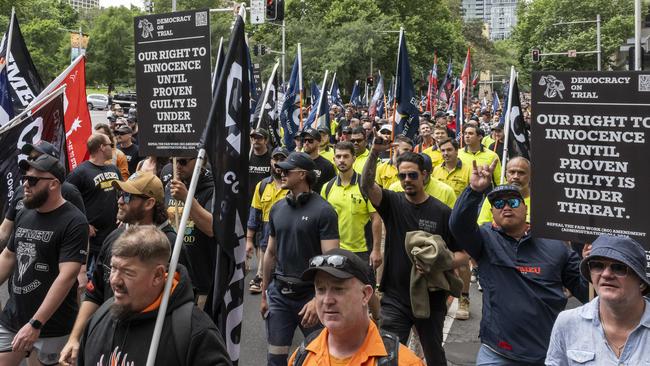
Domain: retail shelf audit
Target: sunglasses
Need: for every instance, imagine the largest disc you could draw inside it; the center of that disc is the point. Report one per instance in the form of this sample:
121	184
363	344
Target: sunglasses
288	171
598	267
410	175
332	260
501	203
120	133
126	196
184	162
356	141
308	141
32	180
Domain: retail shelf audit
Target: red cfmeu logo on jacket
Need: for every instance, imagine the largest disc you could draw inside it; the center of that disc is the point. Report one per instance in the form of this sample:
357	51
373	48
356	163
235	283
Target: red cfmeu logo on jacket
530	269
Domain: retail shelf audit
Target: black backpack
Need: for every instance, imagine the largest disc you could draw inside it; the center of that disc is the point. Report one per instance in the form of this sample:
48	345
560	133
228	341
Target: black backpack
391	343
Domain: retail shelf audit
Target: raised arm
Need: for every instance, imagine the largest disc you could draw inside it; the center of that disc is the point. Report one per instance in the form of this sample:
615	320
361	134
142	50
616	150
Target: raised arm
368	185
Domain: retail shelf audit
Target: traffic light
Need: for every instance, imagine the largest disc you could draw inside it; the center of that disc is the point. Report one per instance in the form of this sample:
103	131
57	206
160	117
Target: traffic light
256	50
262	50
630	58
370	81
536	55
275	10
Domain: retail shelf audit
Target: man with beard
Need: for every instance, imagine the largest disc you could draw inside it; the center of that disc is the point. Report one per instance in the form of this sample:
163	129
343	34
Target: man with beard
258	166
266	194
120	332
141	202
94	179
402	212
325	149
198	237
518	175
360	143
324	170
475	151
43	257
387	171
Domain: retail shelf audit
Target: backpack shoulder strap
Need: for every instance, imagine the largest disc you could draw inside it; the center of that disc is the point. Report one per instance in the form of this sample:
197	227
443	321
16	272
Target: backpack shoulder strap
328	187
182	329
263	183
301	351
391	343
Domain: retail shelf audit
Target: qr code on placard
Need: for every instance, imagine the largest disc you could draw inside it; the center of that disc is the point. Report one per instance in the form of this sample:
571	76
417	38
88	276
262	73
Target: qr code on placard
202	19
644	83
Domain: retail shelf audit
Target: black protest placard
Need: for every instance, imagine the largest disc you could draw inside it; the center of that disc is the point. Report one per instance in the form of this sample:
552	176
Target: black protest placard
172	59
590	145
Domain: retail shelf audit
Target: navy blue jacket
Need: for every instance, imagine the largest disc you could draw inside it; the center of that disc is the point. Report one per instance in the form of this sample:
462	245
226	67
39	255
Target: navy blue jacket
522	282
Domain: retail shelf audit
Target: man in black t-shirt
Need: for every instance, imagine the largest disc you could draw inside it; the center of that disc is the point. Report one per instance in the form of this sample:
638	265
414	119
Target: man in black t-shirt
324	169
43	259
123	135
259	165
302	225
198	237
402	212
94	179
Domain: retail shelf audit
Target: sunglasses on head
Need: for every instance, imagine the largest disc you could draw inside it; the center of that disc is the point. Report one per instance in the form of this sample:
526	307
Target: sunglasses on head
32	180
598	267
332	260
501	203
126	196
410	175
184	161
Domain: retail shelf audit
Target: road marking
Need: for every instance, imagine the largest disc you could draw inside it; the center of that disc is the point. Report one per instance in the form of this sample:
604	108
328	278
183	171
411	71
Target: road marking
449	320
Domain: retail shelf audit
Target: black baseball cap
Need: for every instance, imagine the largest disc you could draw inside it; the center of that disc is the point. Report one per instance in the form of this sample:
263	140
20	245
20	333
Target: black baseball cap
297	160
42	147
260	132
124	129
324	129
503	191
311	132
280	150
339	263
45	163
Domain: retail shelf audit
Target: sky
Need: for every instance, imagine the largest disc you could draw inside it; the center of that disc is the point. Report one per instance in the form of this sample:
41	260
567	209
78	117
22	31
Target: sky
107	3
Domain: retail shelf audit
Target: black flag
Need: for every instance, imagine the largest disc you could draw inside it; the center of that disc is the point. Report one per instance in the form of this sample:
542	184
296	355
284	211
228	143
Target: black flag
226	142
518	141
270	116
24	80
44	123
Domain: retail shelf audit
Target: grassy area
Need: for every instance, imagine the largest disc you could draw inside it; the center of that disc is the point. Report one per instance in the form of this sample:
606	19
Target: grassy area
90	90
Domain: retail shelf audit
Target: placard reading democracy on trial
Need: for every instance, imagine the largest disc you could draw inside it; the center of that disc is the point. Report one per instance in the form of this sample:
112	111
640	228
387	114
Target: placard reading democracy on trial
590	149
172	63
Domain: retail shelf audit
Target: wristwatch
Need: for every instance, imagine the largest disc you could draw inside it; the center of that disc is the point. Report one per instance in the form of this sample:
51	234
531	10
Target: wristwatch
35	323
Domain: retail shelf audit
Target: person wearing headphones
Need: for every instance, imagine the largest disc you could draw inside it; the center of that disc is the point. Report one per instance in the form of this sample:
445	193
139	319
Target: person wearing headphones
302	226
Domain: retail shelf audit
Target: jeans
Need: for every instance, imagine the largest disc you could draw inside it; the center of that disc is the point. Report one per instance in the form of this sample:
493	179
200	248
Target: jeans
487	357
282	321
398	319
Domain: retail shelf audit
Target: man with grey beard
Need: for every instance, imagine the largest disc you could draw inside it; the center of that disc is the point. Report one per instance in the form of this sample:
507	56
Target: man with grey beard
43	257
120	331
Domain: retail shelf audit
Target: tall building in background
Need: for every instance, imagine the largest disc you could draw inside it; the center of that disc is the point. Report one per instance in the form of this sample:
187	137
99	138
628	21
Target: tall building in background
499	15
84	4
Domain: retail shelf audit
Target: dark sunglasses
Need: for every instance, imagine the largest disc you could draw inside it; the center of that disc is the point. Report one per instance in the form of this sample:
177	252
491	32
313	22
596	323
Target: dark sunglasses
501	203
356	141
309	141
332	260
287	171
126	196
184	162
32	180
410	175
598	267
120	133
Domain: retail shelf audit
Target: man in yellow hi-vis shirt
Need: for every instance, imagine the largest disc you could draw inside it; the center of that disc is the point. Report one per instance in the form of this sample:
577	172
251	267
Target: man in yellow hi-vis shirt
474	151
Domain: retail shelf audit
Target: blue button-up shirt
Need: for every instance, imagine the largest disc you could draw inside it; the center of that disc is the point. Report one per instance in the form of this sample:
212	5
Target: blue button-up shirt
578	339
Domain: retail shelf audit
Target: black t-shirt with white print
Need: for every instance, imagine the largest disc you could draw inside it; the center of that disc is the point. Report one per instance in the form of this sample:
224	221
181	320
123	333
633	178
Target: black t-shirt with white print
259	167
41	241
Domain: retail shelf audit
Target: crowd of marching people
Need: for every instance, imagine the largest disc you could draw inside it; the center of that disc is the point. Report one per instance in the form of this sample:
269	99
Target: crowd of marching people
359	237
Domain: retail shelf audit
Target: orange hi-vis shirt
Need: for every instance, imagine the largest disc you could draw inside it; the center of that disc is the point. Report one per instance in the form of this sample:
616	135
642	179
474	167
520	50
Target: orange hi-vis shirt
372	349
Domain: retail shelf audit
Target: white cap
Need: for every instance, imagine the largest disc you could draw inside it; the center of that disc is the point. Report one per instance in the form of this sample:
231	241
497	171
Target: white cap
387	126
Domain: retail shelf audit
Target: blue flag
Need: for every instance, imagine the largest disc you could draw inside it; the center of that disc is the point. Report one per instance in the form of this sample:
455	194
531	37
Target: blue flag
391	93
290	115
335	97
315	94
323	119
495	103
355	98
407	101
377	104
6	106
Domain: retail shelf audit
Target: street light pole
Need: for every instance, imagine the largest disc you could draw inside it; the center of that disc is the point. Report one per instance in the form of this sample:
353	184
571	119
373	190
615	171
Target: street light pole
173	5
598	39
637	35
598	50
283	48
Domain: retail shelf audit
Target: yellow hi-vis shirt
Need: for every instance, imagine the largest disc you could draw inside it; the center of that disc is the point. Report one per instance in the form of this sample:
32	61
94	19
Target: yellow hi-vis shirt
457	178
487	141
272	193
482	157
386	174
353	212
435	155
434	188
361	161
328	154
486	212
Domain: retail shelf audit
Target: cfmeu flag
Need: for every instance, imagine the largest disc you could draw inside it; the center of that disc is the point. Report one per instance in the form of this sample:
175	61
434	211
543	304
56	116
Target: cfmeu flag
266	113
78	126
44	122
225	140
377	104
407	101
25	82
335	96
315	94
355	97
322	108
290	115
518	141
6	107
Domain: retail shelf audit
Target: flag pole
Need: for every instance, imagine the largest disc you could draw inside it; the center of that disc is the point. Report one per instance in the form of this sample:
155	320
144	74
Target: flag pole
332	85
506	126
399	47
215	77
300	82
10	34
320	100
28	111
265	99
